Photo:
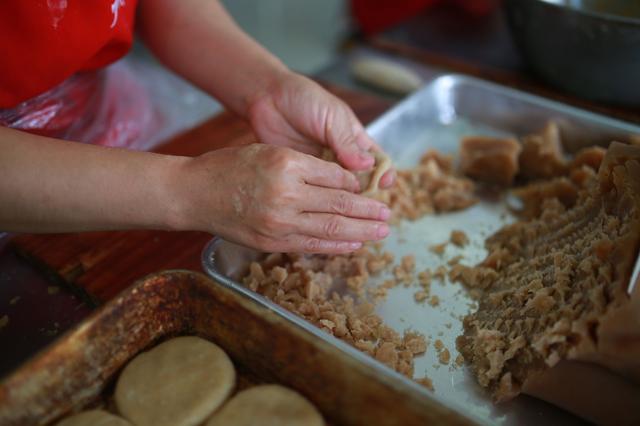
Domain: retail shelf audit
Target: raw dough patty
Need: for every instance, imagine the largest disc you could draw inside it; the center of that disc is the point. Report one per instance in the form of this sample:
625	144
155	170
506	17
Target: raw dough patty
178	383
267	405
93	418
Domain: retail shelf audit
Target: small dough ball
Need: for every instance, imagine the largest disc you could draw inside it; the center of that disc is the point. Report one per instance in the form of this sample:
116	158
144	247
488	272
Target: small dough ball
267	405
93	418
178	383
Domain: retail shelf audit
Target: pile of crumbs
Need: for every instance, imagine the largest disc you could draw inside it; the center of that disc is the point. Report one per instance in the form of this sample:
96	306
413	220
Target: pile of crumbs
328	291
552	285
433	186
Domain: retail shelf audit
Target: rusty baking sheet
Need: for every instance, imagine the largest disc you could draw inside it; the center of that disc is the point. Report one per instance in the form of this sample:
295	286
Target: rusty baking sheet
437	116
80	368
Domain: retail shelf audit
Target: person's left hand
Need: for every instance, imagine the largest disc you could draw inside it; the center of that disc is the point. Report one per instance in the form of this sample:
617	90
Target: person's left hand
298	113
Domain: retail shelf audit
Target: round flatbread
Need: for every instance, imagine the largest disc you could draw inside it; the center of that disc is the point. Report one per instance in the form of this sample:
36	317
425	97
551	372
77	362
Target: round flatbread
178	383
93	418
267	405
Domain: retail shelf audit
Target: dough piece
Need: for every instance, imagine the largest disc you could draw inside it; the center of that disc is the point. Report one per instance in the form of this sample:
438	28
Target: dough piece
178	383
383	164
369	178
93	418
267	405
387	75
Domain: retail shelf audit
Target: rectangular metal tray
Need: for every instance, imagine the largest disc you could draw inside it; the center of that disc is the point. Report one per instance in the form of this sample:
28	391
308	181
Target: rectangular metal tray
79	370
437	116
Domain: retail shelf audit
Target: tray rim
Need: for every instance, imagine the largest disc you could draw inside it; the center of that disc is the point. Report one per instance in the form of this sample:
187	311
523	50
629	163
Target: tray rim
32	368
452	79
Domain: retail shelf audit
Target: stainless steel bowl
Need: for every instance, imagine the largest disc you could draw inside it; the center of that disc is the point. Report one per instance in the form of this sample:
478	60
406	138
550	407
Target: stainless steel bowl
590	48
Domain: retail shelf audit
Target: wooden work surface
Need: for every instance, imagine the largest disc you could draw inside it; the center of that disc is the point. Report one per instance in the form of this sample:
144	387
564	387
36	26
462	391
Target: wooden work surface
103	263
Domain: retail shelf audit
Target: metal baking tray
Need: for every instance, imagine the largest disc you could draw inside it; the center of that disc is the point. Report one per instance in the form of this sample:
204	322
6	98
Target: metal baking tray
80	369
437	116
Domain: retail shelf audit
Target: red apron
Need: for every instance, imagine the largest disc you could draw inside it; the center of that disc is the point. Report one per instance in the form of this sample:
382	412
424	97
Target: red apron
51	82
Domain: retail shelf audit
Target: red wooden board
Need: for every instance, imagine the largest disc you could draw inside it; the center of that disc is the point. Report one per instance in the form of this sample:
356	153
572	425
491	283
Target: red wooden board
103	263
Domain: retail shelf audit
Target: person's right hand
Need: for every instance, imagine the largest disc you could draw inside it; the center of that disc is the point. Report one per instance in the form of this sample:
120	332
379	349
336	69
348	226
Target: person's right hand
276	199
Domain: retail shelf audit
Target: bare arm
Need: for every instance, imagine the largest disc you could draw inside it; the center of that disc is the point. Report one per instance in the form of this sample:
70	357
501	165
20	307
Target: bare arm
267	197
49	185
199	40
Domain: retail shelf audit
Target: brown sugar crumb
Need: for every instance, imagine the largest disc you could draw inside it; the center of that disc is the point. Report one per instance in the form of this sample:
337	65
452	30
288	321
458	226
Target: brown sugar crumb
387	354
534	195
561	293
408	262
426	382
415	343
425	277
4	321
459	238
444	162
307	286
431	187
438	345
420	296
434	301
440	273
459	360
444	356
439	248
490	160
455	260
401	275
378	293
542	155
591	157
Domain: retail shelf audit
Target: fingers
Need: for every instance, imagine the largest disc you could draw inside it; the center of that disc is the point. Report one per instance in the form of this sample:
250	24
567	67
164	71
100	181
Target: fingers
345	204
387	180
313	245
328	175
348	139
333	227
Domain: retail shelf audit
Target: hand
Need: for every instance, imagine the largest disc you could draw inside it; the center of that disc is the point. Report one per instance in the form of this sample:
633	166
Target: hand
297	113
276	199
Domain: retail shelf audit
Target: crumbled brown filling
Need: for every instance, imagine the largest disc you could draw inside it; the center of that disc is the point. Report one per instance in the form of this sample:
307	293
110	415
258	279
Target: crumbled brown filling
430	187
549	281
490	160
311	287
459	238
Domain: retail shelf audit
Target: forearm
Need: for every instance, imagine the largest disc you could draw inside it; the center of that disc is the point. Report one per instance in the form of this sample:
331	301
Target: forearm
48	185
200	41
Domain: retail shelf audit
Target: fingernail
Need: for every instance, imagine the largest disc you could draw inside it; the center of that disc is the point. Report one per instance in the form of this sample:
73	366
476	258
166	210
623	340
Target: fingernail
383	231
356	183
367	159
385	213
363	141
355	246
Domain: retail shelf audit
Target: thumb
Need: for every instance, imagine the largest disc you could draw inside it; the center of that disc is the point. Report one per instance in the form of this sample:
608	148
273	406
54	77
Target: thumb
348	139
